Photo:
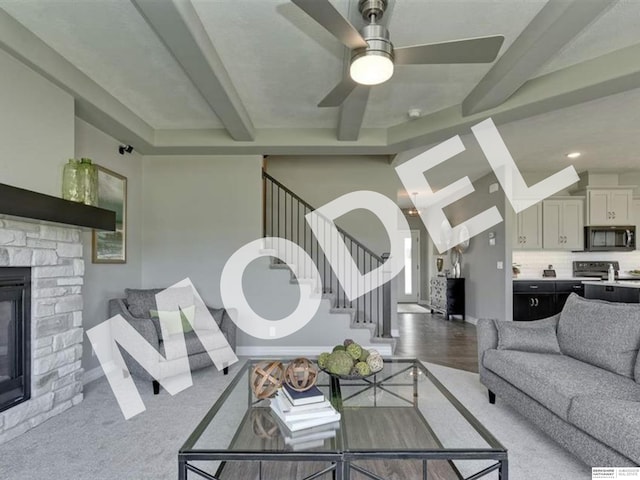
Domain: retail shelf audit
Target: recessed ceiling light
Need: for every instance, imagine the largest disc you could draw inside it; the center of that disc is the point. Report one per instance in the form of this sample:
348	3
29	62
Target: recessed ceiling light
573	155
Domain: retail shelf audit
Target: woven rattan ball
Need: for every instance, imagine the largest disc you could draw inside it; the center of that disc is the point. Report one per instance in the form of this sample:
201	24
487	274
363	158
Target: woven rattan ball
266	378
301	374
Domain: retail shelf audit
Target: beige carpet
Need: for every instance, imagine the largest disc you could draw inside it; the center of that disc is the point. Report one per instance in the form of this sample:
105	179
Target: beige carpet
94	442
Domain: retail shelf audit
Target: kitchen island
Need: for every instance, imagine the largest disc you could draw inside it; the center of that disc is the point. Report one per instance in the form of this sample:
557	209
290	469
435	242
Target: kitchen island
625	291
541	297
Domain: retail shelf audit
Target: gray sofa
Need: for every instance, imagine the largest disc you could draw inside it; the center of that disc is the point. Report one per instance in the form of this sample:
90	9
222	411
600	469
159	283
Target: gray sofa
136	308
575	375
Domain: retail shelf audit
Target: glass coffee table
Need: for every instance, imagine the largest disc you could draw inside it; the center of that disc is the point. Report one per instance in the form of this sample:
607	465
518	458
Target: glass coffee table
400	423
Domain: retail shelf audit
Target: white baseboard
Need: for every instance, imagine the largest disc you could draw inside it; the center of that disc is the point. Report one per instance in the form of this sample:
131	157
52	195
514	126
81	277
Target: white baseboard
471	320
286	351
92	375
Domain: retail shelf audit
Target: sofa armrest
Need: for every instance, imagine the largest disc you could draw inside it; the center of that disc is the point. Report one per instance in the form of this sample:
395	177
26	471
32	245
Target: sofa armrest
487	334
143	326
226	325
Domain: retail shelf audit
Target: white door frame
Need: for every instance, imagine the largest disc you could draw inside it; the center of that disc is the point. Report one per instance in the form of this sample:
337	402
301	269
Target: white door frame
414	296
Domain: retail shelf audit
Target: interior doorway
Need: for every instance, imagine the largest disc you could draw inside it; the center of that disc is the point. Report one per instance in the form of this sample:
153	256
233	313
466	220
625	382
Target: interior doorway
409	278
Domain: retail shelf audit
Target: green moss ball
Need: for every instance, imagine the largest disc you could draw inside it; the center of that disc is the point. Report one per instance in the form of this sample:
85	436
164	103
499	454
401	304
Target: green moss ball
322	359
354	350
363	369
340	363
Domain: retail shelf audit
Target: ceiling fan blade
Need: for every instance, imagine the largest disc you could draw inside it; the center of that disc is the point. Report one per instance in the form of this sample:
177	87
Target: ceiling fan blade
339	94
471	50
323	12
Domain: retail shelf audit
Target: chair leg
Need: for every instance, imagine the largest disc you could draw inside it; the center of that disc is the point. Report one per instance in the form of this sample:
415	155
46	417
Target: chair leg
225	370
156	387
492	397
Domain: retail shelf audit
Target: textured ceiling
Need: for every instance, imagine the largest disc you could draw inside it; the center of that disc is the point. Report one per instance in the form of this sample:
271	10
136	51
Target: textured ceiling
282	63
110	42
616	28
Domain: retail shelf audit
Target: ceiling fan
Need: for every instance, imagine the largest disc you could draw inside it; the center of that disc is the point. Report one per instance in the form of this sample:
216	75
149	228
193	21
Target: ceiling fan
373	56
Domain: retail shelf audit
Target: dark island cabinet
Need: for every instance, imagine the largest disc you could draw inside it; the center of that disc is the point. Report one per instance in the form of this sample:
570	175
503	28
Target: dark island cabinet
613	293
537	300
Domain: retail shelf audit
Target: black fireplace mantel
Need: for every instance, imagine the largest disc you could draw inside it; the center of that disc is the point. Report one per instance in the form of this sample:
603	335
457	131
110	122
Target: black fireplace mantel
27	204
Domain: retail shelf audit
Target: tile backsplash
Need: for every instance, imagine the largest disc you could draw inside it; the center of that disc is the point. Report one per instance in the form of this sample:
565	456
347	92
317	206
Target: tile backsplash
533	262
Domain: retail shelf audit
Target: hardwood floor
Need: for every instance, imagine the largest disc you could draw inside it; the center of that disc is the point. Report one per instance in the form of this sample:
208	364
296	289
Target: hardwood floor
433	339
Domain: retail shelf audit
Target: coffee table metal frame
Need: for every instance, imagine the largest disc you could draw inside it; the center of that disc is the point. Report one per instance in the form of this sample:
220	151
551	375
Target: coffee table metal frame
342	460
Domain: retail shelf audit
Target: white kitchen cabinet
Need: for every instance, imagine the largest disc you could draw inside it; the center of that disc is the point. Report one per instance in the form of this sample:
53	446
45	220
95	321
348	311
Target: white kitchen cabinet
609	207
528	231
563	224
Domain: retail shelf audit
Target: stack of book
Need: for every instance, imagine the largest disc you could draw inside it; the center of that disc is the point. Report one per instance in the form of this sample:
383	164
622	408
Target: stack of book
308	416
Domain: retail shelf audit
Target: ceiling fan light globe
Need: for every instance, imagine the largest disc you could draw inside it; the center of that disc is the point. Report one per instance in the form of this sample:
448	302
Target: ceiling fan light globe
372	68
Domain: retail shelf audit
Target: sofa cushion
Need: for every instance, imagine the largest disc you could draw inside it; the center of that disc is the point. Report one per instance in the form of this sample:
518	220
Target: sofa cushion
553	380
192	342
613	421
141	302
527	338
604	334
176	321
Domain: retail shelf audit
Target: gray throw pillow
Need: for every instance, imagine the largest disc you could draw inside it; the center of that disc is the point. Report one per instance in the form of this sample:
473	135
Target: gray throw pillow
604	334
141	302
527	338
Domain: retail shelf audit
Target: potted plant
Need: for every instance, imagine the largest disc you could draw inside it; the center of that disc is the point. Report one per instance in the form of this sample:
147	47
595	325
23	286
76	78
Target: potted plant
515	268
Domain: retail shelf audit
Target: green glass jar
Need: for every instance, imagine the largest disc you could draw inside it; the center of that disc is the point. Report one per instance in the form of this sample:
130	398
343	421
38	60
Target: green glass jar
71	189
88	175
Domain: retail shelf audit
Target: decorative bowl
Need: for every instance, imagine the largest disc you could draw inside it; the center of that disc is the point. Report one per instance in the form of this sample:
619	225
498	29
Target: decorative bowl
348	377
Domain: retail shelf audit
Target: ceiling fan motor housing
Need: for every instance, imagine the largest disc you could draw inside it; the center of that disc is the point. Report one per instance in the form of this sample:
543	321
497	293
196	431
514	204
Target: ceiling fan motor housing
372	7
377	36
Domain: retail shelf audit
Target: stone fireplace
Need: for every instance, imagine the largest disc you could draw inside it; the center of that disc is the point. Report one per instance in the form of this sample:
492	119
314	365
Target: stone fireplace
53	255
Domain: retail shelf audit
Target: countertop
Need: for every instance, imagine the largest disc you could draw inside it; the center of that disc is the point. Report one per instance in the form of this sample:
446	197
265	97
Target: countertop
623	283
551	279
592	280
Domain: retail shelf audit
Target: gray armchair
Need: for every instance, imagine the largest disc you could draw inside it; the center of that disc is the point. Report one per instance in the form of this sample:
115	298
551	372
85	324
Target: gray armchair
136	308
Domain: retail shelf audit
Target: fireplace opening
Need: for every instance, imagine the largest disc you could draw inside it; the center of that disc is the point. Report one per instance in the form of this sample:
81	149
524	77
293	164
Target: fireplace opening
15	321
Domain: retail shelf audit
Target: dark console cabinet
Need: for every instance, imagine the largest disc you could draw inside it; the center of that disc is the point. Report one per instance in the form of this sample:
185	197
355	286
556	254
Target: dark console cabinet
537	300
447	296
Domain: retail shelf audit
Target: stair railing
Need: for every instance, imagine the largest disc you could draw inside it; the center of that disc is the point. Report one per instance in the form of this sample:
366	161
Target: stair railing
284	216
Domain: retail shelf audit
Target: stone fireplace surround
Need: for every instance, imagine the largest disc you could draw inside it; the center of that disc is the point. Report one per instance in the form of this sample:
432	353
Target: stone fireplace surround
54	254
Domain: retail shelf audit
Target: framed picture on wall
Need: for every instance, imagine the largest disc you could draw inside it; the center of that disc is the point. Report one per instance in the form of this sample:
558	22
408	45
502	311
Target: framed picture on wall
111	247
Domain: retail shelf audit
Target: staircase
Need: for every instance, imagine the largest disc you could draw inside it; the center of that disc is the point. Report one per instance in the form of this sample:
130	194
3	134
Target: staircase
284	216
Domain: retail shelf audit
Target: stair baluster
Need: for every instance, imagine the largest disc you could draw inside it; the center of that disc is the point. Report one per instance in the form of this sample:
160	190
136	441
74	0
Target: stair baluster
284	216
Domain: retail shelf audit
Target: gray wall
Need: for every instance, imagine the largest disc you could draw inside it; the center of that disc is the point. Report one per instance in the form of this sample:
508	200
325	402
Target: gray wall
101	281
39	133
197	211
36	129
486	295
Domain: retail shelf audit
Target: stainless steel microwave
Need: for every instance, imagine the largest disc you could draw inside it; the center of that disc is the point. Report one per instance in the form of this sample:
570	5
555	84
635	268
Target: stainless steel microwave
609	238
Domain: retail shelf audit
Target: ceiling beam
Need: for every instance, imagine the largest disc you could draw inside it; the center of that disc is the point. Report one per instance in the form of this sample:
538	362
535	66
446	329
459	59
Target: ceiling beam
178	26
92	102
608	74
557	23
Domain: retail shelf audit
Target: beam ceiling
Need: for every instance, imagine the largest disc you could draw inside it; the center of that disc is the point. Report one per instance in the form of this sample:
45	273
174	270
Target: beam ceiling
554	26
178	26
608	74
